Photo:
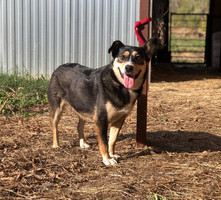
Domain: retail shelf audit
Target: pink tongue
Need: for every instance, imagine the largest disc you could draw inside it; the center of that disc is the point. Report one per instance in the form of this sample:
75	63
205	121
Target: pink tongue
128	81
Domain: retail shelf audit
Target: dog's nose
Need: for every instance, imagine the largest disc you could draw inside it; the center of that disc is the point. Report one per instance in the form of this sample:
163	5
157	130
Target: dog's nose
129	68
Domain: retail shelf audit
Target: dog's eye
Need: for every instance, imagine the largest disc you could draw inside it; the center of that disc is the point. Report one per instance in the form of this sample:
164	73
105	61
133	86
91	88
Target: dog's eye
138	57
122	57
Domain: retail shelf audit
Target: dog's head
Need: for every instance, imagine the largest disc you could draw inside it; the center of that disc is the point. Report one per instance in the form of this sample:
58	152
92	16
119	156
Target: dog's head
130	63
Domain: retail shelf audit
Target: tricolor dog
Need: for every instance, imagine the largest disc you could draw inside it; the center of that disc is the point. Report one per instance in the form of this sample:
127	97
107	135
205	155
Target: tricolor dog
105	95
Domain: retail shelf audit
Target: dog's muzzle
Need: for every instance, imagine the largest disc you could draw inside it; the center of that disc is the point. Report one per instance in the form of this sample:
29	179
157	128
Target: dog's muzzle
128	76
129	69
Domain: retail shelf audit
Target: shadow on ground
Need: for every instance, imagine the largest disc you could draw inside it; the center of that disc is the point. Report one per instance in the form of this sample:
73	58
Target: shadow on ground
169	72
180	141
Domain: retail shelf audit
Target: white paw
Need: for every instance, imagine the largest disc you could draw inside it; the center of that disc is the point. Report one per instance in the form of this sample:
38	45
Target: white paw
115	156
55	146
84	145
109	161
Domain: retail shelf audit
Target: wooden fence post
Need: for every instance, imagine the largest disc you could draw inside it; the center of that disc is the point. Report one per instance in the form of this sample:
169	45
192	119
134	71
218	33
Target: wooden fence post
142	100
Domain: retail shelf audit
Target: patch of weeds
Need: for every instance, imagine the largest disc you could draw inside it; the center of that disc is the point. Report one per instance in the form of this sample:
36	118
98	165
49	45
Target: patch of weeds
156	197
164	118
19	93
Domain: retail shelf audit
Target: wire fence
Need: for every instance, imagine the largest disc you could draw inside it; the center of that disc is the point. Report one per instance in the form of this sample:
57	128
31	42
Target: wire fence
188	37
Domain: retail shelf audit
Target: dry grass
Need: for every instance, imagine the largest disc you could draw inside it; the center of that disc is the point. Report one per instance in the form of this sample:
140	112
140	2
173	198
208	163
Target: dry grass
183	160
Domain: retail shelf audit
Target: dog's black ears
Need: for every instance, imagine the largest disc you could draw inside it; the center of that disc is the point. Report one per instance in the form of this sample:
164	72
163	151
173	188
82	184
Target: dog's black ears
150	47
114	49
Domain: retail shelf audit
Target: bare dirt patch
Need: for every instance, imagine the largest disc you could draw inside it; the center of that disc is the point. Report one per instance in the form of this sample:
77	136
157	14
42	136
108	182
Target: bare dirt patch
182	161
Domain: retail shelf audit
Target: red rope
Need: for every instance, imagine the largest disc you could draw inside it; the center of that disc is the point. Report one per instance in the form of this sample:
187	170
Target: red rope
139	25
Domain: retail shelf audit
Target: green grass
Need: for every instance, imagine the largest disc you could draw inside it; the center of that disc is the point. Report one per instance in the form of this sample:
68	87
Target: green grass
18	94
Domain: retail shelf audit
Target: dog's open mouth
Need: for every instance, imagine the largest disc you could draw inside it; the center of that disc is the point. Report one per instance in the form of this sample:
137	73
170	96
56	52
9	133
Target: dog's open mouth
129	79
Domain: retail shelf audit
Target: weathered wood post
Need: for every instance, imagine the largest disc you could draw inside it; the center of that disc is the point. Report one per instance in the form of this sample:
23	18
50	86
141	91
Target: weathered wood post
142	100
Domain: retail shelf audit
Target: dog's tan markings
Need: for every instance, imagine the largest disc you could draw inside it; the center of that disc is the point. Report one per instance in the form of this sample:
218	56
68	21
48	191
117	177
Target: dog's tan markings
115	114
103	148
126	53
95	118
114	131
54	121
134	53
139	79
138	58
116	67
55	134
123	57
111	110
139	67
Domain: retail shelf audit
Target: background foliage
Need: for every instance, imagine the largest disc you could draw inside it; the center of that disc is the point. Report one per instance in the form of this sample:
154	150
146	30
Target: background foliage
189	6
18	94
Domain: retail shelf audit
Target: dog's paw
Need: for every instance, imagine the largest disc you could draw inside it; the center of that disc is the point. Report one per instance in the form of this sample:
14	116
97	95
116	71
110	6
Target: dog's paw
55	146
115	156
109	161
84	145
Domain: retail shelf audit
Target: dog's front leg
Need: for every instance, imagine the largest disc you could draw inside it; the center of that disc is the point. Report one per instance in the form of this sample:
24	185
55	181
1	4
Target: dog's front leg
114	131
101	127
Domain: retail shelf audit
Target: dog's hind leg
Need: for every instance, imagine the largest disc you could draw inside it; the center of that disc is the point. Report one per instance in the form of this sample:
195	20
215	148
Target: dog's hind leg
80	128
56	103
56	112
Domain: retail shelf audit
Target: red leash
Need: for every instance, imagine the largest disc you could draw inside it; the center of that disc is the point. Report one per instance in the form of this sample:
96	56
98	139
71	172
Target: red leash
139	25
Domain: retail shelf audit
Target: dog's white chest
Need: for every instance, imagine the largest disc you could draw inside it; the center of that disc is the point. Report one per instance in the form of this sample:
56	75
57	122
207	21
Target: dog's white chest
114	113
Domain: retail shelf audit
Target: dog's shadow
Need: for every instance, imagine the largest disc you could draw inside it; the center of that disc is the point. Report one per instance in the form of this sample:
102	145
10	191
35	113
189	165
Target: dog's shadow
178	141
169	141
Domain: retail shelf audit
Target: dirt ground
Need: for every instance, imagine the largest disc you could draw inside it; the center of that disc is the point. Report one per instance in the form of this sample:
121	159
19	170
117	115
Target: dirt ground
182	161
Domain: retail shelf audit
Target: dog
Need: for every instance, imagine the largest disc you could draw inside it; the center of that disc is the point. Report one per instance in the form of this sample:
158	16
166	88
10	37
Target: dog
105	95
